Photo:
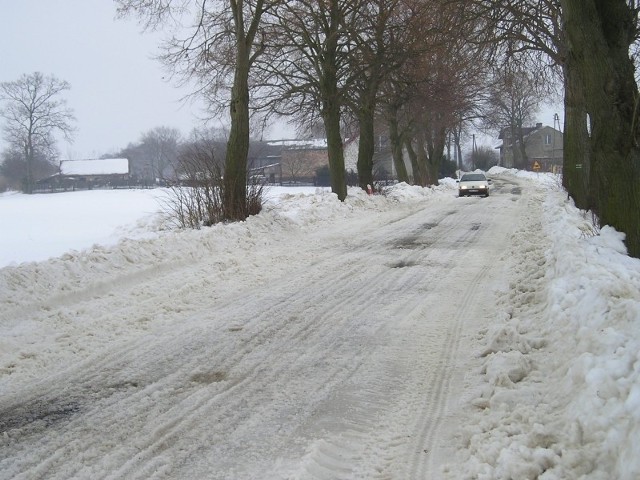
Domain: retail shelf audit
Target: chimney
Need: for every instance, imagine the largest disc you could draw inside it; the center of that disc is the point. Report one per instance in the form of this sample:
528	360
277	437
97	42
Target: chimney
538	125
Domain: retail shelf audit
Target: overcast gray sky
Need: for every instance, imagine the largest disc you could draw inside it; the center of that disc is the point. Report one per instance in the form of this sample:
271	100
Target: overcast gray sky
117	88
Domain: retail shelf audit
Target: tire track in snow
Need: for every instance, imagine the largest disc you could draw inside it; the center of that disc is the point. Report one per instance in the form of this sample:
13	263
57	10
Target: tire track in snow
288	360
342	455
165	433
436	400
337	309
258	379
391	454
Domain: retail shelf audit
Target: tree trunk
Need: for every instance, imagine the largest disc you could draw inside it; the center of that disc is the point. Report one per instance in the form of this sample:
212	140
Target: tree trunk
457	133
366	146
422	158
524	159
435	150
576	161
413	157
331	117
28	155
235	171
395	139
330	111
599	34
234	194
515	152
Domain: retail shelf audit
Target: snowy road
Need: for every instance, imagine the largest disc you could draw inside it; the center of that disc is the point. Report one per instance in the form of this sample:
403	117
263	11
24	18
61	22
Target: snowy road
333	350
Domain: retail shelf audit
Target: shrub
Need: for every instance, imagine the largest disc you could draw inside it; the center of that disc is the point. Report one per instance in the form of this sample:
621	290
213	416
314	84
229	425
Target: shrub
196	196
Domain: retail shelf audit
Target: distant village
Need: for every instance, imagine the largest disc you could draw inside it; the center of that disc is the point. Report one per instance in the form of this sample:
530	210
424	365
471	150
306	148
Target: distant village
296	162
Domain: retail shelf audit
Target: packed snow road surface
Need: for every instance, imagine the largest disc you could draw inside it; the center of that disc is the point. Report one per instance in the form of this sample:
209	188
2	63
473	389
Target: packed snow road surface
262	350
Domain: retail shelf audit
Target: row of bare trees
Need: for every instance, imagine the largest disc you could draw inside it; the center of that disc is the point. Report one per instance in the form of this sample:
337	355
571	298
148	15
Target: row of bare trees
424	66
341	62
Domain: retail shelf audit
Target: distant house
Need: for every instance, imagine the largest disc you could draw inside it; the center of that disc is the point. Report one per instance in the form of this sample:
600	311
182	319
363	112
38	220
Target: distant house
264	162
88	174
306	162
289	161
301	162
543	147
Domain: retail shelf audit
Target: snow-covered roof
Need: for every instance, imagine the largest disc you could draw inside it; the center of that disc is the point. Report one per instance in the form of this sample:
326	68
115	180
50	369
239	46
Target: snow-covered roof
105	166
313	143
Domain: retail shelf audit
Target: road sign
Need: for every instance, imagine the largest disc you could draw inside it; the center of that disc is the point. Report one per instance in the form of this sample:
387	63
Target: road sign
536	166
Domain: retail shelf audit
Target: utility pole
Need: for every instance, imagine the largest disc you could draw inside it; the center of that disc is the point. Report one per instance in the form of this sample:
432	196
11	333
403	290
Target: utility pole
473	153
556	121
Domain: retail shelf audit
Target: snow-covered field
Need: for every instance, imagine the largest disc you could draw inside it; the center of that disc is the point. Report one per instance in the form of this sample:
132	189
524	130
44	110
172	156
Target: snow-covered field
415	335
39	227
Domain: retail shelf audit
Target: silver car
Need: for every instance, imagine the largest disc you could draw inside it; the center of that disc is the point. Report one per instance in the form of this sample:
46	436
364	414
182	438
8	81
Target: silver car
473	184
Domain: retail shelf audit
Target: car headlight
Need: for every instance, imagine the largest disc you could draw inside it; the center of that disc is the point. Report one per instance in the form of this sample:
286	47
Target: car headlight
463	187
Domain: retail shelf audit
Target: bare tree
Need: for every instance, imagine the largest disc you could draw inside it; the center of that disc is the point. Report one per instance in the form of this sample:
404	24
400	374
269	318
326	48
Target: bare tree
196	197
434	92
514	99
296	168
308	68
397	91
34	111
483	158
13	167
382	41
161	146
446	88
151	157
223	44
532	36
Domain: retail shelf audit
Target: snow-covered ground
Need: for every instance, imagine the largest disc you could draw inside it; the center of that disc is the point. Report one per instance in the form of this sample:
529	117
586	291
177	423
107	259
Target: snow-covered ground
415	335
39	227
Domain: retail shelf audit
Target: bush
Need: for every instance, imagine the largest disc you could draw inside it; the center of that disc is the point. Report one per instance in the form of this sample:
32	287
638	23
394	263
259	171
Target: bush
196	197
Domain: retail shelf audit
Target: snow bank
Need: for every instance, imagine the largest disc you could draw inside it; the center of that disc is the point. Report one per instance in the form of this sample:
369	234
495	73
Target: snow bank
561	366
86	245
594	293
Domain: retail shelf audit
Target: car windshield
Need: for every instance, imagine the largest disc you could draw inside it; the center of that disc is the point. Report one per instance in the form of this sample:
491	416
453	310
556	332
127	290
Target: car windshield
472	177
